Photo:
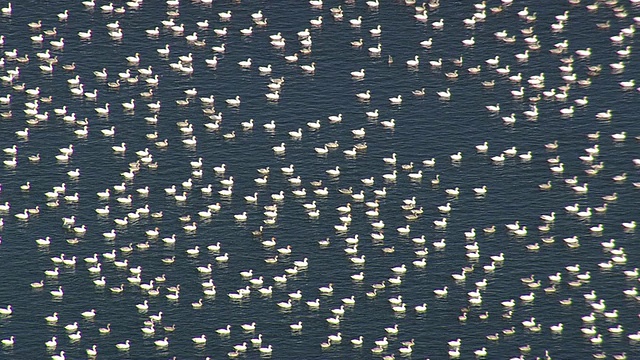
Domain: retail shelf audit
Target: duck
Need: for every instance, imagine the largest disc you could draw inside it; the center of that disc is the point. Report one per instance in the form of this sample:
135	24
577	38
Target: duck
441	292
396	100
326	290
58	293
74	336
125	346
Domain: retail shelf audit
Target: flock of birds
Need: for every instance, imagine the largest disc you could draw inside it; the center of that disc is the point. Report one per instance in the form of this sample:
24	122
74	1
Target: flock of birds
126	195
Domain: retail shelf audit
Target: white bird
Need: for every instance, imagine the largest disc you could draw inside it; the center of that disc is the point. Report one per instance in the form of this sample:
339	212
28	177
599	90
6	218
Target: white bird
59	356
396	100
445	95
441	292
358	74
6	311
124	346
245	63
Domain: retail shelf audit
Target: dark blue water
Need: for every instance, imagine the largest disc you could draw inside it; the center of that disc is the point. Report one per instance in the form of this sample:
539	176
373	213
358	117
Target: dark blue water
426	127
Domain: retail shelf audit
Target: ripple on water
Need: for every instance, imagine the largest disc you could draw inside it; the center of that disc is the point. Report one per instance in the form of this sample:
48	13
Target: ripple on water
425	127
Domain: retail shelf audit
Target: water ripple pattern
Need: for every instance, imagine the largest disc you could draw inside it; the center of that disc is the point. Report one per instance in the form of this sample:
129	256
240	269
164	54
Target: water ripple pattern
319	180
